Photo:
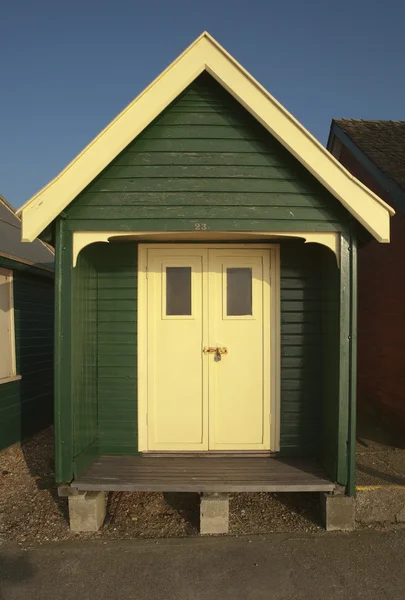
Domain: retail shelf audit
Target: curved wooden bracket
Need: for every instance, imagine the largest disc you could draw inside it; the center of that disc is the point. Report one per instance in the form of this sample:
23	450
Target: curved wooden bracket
330	240
81	239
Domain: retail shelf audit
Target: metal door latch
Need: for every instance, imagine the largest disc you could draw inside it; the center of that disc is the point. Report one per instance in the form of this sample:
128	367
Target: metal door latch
209	350
217	350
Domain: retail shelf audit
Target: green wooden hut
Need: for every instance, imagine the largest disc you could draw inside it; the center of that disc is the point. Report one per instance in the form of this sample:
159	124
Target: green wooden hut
206	249
26	331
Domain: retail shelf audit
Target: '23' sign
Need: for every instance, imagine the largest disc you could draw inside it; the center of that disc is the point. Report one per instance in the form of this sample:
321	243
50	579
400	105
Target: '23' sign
200	227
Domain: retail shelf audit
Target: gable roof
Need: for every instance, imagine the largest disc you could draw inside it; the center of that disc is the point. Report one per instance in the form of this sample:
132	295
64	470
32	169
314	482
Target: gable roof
37	254
382	142
205	54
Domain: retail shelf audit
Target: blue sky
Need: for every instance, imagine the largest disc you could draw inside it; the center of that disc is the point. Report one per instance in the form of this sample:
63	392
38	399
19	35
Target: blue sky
68	68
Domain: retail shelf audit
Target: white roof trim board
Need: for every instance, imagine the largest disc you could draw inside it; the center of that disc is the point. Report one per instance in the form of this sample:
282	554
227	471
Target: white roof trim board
206	54
37	254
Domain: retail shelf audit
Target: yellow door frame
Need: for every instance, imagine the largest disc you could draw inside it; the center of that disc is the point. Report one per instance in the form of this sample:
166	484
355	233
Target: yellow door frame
273	327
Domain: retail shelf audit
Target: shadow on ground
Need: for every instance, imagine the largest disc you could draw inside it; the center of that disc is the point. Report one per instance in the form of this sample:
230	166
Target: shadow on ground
187	505
39	456
371	430
379	476
14	569
380	453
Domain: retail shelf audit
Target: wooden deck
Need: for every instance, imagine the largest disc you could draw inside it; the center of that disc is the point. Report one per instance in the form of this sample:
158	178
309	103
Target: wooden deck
203	474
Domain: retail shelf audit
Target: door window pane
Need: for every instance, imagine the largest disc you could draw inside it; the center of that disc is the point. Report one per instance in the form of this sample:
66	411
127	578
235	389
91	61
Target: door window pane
239	291
178	290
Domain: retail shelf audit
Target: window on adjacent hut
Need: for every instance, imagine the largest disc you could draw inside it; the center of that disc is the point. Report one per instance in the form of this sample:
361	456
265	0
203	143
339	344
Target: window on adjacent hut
7	335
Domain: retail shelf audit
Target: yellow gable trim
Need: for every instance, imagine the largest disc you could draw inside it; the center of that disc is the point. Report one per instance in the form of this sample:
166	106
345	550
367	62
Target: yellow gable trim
206	54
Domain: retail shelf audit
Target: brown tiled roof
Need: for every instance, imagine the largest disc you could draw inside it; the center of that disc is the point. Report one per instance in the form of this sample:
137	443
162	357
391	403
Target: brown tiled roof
382	141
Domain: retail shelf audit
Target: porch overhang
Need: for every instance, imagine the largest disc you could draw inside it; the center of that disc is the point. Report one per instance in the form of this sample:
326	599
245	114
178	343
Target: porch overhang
82	239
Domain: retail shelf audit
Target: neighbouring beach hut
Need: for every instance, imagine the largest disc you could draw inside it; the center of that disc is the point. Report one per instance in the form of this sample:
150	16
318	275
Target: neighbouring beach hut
206	282
374	152
26	331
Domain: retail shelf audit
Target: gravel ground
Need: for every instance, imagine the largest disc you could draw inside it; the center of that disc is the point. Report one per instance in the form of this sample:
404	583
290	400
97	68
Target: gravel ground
31	511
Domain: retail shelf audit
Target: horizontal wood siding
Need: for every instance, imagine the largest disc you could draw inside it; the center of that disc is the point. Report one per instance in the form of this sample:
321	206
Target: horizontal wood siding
84	362
301	348
117	348
26	405
205	160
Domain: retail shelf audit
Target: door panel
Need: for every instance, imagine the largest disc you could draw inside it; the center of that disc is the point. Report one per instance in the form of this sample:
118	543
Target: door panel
208	298
238	296
177	394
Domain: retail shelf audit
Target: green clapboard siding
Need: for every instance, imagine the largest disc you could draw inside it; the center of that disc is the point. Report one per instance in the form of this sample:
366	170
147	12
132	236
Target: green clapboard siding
115	265
26	404
117	348
205	159
301	348
84	362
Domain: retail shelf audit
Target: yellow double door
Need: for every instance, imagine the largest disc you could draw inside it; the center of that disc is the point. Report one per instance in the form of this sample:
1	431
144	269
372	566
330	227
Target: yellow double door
208	345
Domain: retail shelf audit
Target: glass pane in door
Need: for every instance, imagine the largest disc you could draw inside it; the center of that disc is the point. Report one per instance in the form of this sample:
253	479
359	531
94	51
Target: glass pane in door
178	291
239	291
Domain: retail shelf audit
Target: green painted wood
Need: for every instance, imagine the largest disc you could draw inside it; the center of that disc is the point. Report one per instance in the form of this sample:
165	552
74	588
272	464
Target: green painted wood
63	355
201	199
202	213
328	451
351	473
229	159
301	354
117	348
344	358
26	405
276	185
206	159
84	362
198	145
191	225
200	172
86	458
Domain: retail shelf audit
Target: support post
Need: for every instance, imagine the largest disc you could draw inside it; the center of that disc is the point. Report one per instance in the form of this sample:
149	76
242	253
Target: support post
351	467
344	360
214	514
87	511
338	512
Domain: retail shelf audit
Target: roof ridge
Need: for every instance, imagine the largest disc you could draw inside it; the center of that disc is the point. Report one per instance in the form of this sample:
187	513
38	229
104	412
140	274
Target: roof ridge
354	120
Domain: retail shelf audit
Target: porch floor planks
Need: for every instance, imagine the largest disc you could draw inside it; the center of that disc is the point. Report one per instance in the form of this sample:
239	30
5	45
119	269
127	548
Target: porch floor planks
204	474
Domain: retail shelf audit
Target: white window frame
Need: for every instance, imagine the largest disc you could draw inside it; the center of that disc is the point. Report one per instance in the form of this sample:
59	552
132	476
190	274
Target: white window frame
10	347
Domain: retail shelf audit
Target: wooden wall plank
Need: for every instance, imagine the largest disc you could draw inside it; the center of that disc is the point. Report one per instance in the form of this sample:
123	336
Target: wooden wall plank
84	361
344	358
63	355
